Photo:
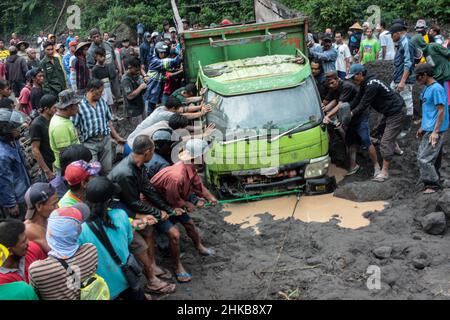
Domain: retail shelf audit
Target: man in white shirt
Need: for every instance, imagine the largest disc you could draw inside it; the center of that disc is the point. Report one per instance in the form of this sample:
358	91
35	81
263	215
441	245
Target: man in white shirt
344	56
40	40
387	45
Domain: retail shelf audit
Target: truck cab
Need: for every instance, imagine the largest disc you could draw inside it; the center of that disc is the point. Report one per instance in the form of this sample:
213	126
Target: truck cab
266	107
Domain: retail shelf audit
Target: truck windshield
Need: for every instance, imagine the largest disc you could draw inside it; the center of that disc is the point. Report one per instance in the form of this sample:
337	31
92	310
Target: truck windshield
281	109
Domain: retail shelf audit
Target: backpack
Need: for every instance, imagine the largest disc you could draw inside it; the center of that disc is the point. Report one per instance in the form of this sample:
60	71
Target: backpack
93	288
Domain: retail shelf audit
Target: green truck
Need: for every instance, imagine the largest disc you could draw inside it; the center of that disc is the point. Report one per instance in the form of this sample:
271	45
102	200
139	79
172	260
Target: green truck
266	107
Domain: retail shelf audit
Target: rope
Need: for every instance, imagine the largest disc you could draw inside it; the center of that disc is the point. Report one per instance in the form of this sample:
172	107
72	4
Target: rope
282	246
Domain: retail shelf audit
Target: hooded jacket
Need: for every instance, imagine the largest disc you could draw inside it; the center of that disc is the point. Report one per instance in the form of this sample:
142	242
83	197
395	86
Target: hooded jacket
133	181
145	51
157	72
437	55
16	68
13	174
378	95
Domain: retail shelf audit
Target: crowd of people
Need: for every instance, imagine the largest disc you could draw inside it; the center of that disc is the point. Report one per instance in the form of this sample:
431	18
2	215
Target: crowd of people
89	218
349	90
95	222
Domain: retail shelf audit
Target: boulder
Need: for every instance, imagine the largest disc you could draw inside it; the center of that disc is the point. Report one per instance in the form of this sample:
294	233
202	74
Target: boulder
421	261
124	31
383	252
443	203
434	223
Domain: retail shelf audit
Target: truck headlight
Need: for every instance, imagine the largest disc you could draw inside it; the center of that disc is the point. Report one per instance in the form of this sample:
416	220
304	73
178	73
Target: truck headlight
317	167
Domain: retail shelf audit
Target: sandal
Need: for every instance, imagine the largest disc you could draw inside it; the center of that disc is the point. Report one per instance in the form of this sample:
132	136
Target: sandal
399	152
184	277
163	288
208	253
166	275
429	191
380	178
354	170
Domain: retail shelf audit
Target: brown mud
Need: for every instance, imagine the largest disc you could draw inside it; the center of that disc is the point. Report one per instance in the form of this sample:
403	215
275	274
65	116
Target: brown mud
325	260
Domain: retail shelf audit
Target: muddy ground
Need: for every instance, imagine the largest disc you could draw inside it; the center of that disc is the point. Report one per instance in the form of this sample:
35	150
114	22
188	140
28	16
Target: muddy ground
323	260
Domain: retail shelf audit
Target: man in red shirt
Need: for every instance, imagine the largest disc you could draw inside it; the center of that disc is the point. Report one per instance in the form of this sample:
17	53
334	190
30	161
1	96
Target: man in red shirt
181	187
22	253
25	94
2	70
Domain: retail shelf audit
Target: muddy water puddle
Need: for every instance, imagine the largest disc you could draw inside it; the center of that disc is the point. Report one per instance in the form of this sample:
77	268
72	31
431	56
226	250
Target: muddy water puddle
321	208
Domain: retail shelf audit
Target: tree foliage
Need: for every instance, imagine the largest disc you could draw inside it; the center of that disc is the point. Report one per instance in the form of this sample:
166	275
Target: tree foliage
341	14
27	17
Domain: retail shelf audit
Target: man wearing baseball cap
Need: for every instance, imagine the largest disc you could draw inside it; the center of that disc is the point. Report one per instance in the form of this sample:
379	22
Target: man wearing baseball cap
376	94
77	176
328	55
145	51
41	200
403	78
62	132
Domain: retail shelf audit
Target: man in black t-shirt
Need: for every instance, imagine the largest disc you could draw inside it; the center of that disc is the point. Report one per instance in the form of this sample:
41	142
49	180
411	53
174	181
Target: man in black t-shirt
338	99
133	87
40	143
377	95
37	91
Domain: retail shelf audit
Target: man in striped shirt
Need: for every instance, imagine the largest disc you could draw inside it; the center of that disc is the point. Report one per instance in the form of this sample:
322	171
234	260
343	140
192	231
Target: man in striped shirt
95	126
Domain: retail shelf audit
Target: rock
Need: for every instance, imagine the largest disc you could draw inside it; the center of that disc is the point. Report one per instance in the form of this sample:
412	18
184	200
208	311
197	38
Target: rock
416	237
370	190
421	261
124	31
443	203
313	261
434	223
382	252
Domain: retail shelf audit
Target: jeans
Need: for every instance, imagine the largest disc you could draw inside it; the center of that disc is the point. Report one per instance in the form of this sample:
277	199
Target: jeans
429	160
4	213
101	149
164	98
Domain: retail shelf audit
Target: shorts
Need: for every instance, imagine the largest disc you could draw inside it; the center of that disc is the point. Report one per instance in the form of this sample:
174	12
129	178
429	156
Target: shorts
139	244
359	134
165	226
393	128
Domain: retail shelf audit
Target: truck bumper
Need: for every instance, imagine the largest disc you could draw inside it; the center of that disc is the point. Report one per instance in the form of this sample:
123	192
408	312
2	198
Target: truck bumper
272	180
